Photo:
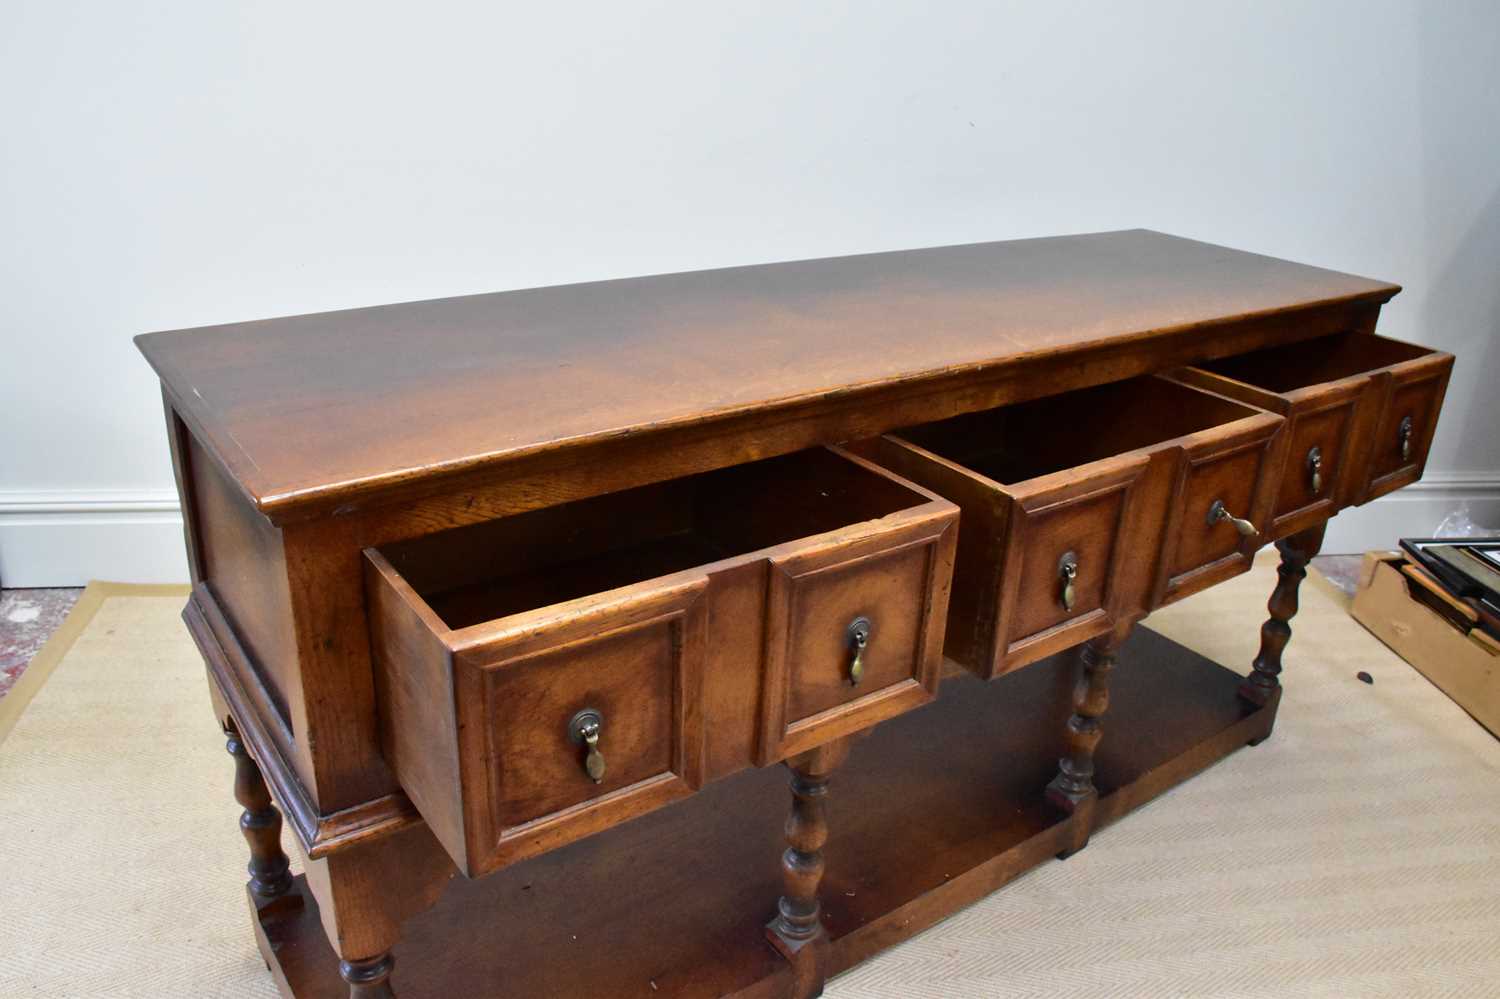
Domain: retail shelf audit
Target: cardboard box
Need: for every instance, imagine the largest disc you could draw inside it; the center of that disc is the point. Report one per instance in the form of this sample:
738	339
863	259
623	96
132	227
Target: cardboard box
1429	630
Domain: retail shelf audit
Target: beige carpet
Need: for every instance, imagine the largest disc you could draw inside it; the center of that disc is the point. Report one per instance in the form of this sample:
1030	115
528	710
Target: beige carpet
1357	853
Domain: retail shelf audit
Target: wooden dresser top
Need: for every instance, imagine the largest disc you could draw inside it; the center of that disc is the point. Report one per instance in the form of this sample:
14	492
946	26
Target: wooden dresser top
309	409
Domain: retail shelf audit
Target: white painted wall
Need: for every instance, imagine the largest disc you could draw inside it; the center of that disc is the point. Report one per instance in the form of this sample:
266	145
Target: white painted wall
174	164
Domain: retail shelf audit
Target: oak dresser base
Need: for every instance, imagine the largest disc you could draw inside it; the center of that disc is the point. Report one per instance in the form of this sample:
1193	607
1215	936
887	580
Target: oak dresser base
528	585
932	811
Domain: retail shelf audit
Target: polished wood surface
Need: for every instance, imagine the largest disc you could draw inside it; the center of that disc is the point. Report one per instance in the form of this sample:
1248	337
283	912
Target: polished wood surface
260	822
323	712
1073	790
797	931
326	409
1264	681
490	640
1369	406
1115	481
536	585
922	820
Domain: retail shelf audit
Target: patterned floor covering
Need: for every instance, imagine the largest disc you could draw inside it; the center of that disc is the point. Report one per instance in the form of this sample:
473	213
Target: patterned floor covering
27	619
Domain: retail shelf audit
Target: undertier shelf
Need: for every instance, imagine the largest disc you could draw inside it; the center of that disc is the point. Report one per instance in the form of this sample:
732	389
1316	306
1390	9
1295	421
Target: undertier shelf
933	811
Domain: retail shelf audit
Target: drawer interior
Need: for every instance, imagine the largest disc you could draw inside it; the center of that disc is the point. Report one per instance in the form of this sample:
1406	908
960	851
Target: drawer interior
483	571
1015	443
1311	362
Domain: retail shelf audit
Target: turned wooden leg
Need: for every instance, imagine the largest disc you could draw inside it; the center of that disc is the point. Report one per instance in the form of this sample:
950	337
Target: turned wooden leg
1263	683
1072	789
370	978
366	892
260	822
797	931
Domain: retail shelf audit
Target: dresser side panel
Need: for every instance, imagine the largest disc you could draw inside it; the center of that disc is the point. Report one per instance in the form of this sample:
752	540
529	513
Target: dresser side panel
242	560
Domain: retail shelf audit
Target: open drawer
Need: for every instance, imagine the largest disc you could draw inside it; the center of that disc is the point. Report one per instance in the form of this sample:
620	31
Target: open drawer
542	676
1083	508
1360	411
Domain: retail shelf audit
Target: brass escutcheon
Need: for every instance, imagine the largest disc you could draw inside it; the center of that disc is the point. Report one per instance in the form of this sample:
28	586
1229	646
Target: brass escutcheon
1067	571
585	728
858	636
1403	435
1315	469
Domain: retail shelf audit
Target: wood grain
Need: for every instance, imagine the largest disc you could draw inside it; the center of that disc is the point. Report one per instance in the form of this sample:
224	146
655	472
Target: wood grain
796	931
1263	683
324	409
260	822
489	639
425	536
1116	478
1345	395
931	811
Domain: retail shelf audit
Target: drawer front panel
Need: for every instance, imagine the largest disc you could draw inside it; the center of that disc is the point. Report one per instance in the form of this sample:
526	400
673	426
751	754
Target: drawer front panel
1081	524
1324	433
1389	385
1409	419
628	676
1067	503
547	676
638	665
1201	553
894	588
886	591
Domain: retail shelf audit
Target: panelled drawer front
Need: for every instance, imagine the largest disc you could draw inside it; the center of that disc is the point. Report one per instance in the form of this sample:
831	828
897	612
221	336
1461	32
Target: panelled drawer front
1232	475
1320	464
1368	405
853	635
1319	456
1081	523
1052	553
1403	436
637	666
520	732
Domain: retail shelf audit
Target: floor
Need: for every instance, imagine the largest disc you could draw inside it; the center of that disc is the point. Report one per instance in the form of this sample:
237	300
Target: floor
29	617
1341	570
1355	853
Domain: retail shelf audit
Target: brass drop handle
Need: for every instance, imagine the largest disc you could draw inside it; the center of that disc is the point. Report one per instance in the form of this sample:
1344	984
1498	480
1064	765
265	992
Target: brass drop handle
1315	469
1218	512
859	639
1067	571
1403	434
585	728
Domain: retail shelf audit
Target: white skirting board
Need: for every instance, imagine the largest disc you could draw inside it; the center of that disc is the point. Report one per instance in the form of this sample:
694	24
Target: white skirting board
1415	512
69	538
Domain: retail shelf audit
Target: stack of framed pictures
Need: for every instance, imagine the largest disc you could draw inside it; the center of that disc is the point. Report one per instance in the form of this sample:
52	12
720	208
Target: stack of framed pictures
1468	570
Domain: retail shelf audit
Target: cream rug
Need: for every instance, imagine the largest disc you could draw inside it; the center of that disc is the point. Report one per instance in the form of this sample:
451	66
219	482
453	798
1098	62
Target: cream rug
1357	853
